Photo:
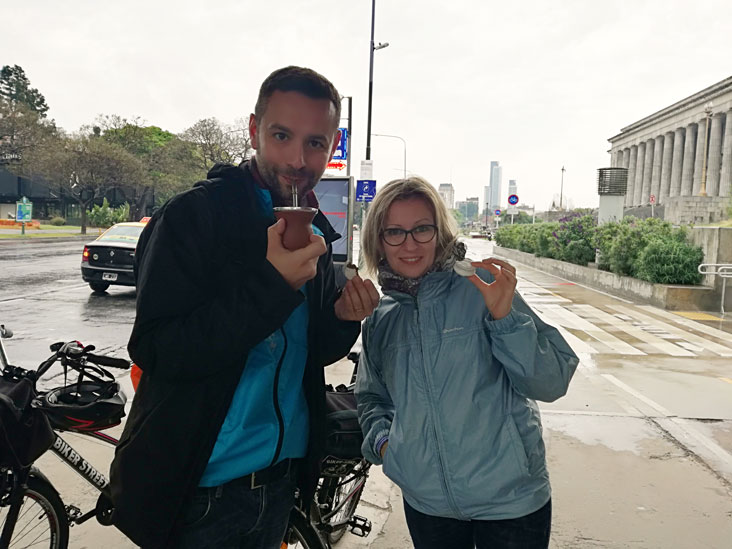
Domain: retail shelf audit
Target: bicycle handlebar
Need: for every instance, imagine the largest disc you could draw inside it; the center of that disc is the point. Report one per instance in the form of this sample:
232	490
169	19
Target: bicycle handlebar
112	362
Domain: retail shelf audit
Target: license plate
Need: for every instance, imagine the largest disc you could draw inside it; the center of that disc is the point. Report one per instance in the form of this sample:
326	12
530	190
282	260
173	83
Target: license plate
111	277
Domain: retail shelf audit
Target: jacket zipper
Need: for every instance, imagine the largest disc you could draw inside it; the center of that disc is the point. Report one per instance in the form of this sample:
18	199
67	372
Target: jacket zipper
276	400
433	415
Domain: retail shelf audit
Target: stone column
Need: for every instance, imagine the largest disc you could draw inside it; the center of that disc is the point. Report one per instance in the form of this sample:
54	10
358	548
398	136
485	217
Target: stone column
701	137
647	172
677	163
638	182
656	174
687	174
614	158
668	154
626	157
714	161
725	180
631	176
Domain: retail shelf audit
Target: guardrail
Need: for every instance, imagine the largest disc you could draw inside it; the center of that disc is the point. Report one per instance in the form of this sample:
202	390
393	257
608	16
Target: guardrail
718	269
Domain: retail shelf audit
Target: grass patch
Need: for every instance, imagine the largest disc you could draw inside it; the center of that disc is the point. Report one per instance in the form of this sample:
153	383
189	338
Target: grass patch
39	235
63	228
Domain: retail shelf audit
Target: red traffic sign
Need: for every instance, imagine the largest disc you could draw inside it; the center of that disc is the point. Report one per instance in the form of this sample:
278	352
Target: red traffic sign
497	212
513	199
336	165
653	199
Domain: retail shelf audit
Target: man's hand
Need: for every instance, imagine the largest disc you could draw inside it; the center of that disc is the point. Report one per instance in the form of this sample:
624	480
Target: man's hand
298	266
498	295
358	300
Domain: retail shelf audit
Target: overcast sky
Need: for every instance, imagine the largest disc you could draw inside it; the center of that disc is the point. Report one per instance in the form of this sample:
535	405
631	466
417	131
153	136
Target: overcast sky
535	85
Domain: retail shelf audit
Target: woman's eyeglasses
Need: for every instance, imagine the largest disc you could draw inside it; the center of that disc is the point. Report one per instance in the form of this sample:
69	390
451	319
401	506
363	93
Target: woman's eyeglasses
421	234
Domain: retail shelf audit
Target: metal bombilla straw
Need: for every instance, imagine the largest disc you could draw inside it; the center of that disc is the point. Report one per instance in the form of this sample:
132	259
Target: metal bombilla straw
294	195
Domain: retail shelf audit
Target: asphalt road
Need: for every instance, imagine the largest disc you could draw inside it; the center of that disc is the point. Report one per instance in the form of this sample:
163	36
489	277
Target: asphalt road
639	451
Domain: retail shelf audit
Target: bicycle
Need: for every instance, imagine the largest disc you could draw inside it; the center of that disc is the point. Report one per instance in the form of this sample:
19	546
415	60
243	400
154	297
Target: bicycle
32	512
341	484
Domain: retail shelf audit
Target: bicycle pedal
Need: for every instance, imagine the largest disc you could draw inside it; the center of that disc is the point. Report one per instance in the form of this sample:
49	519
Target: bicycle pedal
359	526
73	512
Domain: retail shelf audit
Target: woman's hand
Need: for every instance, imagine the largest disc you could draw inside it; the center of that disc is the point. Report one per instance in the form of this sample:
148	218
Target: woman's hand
498	295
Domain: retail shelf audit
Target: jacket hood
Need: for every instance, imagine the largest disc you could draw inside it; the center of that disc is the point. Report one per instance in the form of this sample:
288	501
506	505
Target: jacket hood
225	171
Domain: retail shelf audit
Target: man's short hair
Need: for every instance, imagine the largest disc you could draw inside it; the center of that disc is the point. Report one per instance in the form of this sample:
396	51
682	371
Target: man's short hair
299	79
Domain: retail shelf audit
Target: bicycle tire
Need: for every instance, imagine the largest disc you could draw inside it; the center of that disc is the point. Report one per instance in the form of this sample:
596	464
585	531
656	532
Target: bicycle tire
301	534
335	491
41	511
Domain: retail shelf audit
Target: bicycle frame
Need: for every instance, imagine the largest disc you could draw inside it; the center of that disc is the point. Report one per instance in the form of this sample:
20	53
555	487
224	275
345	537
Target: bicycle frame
83	468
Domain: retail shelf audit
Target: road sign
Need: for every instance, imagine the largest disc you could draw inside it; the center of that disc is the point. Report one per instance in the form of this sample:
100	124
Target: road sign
23	211
337	165
497	212
367	169
365	190
512	211
513	199
653	199
341	152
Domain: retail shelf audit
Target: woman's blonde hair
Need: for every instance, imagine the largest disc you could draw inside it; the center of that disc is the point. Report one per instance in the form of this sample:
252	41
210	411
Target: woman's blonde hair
372	247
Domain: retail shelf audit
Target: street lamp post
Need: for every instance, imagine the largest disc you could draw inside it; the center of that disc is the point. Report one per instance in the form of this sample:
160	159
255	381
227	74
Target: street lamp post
372	49
561	189
403	143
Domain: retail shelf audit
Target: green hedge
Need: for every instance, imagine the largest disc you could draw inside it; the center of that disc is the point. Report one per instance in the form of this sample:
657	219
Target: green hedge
649	249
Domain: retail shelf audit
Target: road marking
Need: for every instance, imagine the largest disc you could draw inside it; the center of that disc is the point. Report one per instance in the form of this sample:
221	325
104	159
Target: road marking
577	345
707	330
615	381
63	288
683	334
696	316
610	340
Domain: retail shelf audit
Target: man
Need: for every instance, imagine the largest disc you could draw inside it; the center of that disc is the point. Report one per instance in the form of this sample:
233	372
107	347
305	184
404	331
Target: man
232	333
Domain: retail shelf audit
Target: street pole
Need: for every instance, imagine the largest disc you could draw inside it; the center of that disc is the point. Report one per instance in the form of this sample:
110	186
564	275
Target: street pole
371	81
561	190
348	142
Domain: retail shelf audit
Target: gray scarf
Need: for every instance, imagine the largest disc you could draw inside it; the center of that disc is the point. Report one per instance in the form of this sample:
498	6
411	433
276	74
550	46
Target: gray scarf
389	280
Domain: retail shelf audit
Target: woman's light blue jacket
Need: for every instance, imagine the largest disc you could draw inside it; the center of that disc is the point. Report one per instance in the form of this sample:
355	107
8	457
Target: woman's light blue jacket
454	391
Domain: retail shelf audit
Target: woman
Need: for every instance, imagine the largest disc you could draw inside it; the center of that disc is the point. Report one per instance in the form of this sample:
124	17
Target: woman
447	381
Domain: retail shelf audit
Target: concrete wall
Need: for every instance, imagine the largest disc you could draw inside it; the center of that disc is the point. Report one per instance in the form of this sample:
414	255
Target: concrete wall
685	210
676	298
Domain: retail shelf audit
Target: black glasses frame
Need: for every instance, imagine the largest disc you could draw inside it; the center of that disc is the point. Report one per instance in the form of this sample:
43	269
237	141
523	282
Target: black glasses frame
405	233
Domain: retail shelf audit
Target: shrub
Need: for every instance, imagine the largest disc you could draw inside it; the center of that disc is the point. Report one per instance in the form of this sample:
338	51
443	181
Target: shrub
508	236
527	238
575	239
547	244
104	216
625	249
670	262
602	240
57	221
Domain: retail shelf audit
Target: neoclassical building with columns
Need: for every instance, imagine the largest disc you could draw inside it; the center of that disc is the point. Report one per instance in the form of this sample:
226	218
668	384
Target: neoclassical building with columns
681	157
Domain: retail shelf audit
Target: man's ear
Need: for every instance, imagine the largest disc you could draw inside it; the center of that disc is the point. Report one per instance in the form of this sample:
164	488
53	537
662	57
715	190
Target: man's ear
253	132
335	144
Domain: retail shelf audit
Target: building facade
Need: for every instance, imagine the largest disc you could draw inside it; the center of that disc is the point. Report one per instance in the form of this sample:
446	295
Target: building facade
495	186
512	187
680	157
447	192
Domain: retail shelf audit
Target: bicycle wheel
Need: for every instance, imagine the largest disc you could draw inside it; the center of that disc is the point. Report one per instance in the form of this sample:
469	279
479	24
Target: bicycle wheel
301	534
336	492
42	521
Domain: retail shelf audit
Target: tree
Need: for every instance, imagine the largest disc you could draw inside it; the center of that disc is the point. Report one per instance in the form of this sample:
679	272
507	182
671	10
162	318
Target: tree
15	89
170	164
85	167
215	142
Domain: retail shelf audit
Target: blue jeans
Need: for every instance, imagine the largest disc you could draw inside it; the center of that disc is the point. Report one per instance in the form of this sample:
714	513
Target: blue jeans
529	532
234	515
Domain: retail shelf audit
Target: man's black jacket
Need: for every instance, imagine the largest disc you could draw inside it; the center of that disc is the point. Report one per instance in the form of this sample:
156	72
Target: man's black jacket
206	295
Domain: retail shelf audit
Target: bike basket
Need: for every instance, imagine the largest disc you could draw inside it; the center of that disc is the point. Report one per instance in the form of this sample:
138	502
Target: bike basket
25	432
343	433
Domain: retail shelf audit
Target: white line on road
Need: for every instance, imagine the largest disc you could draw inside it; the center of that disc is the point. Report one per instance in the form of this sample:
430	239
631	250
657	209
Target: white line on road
683	334
708	330
615	381
35	294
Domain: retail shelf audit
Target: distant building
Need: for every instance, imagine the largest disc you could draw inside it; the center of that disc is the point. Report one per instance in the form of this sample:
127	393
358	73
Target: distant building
496	172
512	187
468	207
447	192
681	157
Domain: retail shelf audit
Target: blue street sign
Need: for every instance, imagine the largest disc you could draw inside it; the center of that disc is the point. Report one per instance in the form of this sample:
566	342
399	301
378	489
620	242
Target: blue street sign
513	199
341	152
498	212
365	190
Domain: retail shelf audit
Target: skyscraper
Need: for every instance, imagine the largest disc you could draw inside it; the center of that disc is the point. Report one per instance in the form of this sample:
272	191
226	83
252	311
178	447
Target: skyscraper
512	187
495	186
447	192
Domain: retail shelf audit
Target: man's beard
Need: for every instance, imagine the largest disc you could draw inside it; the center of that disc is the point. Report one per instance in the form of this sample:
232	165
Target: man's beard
281	192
